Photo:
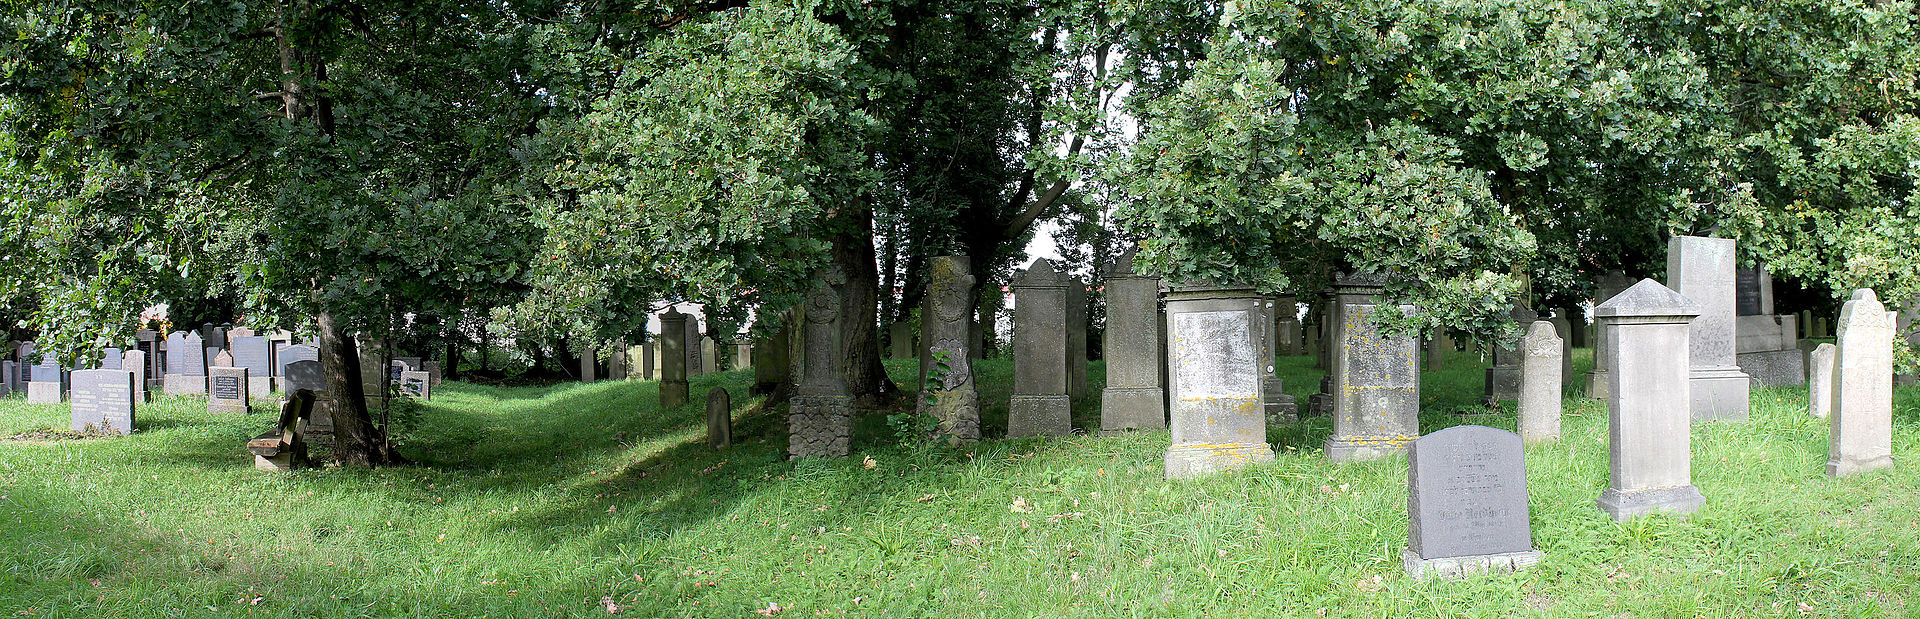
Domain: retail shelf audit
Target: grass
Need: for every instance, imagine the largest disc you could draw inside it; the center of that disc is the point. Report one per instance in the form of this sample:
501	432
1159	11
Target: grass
564	500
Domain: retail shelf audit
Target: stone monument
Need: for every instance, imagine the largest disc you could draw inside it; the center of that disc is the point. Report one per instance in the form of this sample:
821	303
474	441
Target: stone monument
1376	377
1766	344
719	418
1649	391
1610	284
102	401
227	389
1040	404
1076	349
1133	398
673	359
1540	385
820	417
1820	380
1214	381
1467	503
186	365
946	369
1702	270
1503	378
416	384
1860	438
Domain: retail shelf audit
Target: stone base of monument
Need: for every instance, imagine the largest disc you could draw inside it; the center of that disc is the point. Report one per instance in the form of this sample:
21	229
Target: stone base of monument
1039	415
1503	383
1358	447
1196	460
673	393
1597	385
1624	505
1132	408
1280	407
260	387
819	426
959	413
1463	567
1776	368
45	393
1851	466
181	384
1320	404
1719	394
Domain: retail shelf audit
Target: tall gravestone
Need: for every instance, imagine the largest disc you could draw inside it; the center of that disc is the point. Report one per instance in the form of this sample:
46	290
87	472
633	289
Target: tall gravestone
1376	377
1820	380
1133	398
1503	377
136	361
1860	438
102	402
691	350
1279	406
673	359
1540	384
6	377
1040	404
254	353
1612	283
1467	504
1563	326
186	365
946	332
1702	270
1437	348
1286	325
771	360
227	389
1076	351
709	356
1214	381
820	417
617	362
719	418
1649	391
589	364
649	361
1766	345
900	340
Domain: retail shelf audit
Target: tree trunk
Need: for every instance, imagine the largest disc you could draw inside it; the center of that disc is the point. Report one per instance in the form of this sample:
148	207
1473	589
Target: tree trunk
357	442
853	253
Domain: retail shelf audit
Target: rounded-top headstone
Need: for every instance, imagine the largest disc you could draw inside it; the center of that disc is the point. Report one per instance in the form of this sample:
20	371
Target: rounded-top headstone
1040	274
719	418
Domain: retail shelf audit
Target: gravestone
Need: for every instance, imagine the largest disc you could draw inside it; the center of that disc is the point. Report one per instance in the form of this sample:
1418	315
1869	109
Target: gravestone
1437	348
1076	352
304	374
1376	377
186	365
1820	327
103	401
1214	381
719	418
742	357
589	360
255	354
900	340
946	357
1286	325
221	359
1467	503
617	362
110	359
1612	283
1040	404
1820	380
709	356
1752	291
294	354
673	359
309	374
432	368
46	382
1503	377
1649	375
136	361
1564	328
7	376
1133	398
771	361
1577	335
649	361
410	364
150	342
692	349
1765	345
1279	407
227	389
1540	385
1702	270
1860	438
820	417
415	384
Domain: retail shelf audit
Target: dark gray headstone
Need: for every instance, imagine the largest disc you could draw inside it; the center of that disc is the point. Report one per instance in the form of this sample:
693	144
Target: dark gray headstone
1467	495
719	418
304	374
1747	291
103	401
253	353
295	354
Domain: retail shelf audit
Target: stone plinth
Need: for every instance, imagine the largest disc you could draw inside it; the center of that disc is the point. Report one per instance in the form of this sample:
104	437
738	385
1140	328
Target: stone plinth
1702	270
1649	389
1133	398
1860	438
673	359
1214	381
1040	404
1540	387
946	361
1376	378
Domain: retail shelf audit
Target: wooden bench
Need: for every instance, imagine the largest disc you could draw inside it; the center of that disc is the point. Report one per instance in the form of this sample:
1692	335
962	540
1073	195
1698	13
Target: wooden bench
285	448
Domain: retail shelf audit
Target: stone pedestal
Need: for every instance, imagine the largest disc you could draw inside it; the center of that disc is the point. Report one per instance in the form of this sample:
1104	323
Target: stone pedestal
1376	378
820	416
946	361
1041	357
1134	398
1214	380
1860	438
1702	270
1649	388
673	359
1540	386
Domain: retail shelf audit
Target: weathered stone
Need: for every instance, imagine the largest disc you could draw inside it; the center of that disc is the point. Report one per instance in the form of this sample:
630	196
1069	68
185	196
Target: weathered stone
709	356
295	354
1540	367
415	384
1437	348
1040	405
820	417
947	335
136	361
589	365
1278	406
1563	327
1702	270
1467	503
617	362
649	361
1134	398
186	365
1503	377
771	359
1649	388
1214	380
227	389
1076	351
1752	291
1820	380
1577	335
103	401
1610	284
1286	326
256	354
1861	436
673	359
46	382
305	374
719	418
110	359
900	340
1376	378
692	350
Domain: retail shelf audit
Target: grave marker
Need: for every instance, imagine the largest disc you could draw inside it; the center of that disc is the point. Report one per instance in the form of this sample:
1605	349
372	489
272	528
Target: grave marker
186	365
947	339
1702	270
1860	437
255	354
1820	380
820	418
1649	389
227	390
719	418
1376	377
1040	405
1133	398
1540	385
673	359
103	401
415	384
1214	380
1467	503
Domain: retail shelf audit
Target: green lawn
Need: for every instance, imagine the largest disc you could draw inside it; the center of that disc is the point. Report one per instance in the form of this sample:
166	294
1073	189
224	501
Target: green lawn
563	500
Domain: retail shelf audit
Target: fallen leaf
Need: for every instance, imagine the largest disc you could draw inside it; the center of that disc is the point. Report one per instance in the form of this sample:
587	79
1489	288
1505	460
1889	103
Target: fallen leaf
1020	506
924	498
773	608
869	463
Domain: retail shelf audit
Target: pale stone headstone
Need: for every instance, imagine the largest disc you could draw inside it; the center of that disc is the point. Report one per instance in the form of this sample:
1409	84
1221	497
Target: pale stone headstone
7	377
820	417
256	354
136	361
589	362
742	357
946	337
1861	436
617	362
221	359
1214	380
709	356
1133	398
227	389
1040	405
1503	377
1467	503
673	359
415	384
103	401
1702	270
1649	388
46	382
1820	380
110	359
1540	385
1376	377
900	340
1286	325
186	365
719	418
1608	285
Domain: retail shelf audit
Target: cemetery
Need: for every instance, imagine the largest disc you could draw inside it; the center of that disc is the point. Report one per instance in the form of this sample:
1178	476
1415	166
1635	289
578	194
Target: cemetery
935	308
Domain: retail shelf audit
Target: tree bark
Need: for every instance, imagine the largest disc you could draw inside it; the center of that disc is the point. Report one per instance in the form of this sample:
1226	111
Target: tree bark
853	253
357	442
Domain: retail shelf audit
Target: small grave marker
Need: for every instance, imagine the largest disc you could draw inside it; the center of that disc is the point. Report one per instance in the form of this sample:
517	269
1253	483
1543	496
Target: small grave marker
1467	504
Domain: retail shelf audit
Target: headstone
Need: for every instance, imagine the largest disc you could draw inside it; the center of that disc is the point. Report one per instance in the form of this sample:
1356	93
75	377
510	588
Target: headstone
150	342
1503	377
432	368
946	360
1437	348
186	365
1820	380
589	362
295	354
692	350
1279	407
1610	284
1467	503
136	361
103	401
46	382
820	417
110	359
221	359
1040	405
1564	328
1752	291
255	354
649	361
1702	270
1376	378
1768	351
410	364
770	360
719	418
900	340
1286	326
1820	327
1540	384
304	374
8	377
742	357
415	384
1649	388
1214	380
1076	337
1577	336
227	389
239	332
617	362
1861	436
709	355
673	356
1133	398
